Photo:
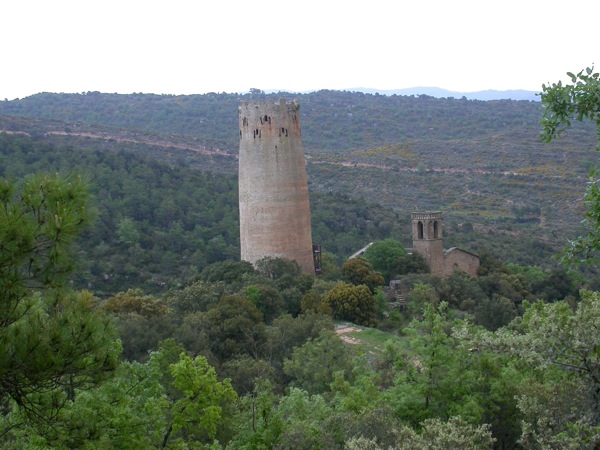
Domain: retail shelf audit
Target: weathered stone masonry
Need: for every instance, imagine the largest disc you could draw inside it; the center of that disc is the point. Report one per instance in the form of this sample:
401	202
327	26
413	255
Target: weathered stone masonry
428	241
273	187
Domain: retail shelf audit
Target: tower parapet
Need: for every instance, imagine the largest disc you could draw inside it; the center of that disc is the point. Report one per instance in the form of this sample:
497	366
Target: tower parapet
273	186
428	242
427	239
427	225
269	119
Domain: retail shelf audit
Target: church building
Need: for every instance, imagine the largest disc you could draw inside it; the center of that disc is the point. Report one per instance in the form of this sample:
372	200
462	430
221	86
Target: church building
428	242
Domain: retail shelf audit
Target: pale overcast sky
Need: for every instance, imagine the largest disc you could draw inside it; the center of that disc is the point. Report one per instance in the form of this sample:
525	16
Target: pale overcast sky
199	46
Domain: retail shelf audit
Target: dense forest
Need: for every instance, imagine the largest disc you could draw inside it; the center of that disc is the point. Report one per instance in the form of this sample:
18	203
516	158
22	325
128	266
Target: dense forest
128	320
158	225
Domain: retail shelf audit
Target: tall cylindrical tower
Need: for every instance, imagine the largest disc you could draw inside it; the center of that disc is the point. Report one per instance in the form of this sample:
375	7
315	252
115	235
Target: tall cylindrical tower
273	187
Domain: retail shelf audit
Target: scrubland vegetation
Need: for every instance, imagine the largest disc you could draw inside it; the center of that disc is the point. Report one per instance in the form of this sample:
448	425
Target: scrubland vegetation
128	321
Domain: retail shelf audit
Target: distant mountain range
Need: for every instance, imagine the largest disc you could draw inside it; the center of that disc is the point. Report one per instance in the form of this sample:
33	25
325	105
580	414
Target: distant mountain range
490	94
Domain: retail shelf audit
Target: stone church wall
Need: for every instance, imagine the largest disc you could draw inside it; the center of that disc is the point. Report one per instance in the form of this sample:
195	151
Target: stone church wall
457	259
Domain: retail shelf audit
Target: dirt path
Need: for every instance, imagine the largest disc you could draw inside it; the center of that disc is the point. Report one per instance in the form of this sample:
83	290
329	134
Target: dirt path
203	150
165	144
344	329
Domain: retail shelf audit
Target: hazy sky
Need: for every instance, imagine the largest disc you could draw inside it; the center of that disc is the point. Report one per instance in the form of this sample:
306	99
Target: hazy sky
199	46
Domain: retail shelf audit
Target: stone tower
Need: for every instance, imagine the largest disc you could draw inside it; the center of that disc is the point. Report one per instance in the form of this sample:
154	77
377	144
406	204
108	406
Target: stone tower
273	189
427	239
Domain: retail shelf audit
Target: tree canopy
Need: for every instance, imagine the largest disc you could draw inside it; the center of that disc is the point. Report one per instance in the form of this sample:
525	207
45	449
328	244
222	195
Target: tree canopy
52	340
218	353
563	104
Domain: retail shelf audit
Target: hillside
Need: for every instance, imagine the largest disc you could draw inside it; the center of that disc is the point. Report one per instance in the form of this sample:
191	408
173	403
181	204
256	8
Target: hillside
331	120
482	163
156	224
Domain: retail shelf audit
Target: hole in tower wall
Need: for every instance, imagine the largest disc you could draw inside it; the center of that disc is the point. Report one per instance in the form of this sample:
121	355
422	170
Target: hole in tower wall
266	118
435	229
420	230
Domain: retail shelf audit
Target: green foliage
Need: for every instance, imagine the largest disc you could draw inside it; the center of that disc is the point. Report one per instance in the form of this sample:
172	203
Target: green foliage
198	405
234	326
385	257
134	301
228	272
555	334
104	418
495	312
267	300
358	271
199	296
304	413
420	295
275	268
423	294
439	435
552	415
356	397
127	232
287	332
37	232
557	285
313	365
172	401
312	301
579	100
461	291
156	225
584	249
198	412
436	376
142	320
141	335
344	223
258	424
52	340
160	225
436	435
59	344
442	383
329	266
246	373
353	303
559	395
412	263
